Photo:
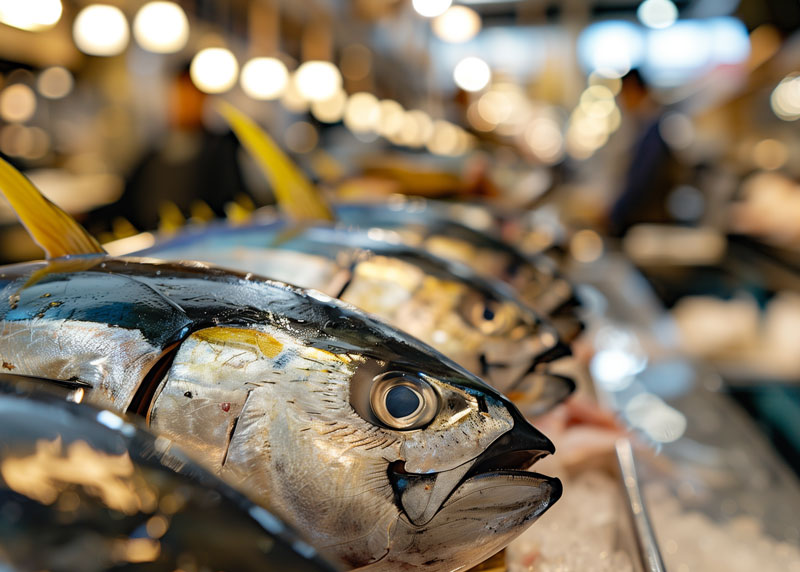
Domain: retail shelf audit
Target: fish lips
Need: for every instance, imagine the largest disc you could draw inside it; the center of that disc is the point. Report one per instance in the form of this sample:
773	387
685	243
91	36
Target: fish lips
502	465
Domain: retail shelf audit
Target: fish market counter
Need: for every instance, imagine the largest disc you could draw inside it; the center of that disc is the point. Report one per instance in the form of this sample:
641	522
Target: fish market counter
717	494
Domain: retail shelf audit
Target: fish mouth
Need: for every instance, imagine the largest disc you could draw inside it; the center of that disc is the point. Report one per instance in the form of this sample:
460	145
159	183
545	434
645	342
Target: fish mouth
505	461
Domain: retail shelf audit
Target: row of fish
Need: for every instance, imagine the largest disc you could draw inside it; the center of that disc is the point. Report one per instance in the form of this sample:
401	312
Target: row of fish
384	453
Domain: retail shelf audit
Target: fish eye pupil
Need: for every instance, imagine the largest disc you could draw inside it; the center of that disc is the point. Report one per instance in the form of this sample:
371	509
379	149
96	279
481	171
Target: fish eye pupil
402	401
488	314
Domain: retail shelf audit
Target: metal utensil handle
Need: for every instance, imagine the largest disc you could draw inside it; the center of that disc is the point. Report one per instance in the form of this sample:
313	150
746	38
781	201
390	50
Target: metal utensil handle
645	538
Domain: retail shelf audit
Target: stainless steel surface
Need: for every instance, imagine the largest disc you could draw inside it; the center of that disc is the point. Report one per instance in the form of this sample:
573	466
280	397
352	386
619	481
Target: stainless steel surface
645	538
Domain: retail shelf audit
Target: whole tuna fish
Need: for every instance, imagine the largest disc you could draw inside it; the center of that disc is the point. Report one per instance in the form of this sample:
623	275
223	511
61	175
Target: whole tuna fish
477	322
383	452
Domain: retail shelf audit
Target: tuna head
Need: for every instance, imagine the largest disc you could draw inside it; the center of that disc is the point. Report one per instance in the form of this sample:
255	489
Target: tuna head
384	452
380	450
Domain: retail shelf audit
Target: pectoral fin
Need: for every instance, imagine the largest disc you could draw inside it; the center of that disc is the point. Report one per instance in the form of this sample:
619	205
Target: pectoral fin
50	227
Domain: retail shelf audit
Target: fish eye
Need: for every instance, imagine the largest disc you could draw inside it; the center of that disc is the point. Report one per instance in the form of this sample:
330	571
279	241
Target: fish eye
490	317
403	401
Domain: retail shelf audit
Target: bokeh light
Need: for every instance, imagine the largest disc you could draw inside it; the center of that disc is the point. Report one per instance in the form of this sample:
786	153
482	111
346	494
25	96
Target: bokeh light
417	128
770	154
101	30
391	117
785	98
544	139
161	27
55	82
457	25
30	15
657	13
611	48
362	113
445	138
495	107
17	103
476	120
318	80
264	78
214	70
472	74
26	142
330	110
292	99
431	8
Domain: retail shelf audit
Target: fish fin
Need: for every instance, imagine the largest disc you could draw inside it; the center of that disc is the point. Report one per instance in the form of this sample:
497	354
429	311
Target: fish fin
297	197
200	212
170	218
50	227
122	228
240	210
236	214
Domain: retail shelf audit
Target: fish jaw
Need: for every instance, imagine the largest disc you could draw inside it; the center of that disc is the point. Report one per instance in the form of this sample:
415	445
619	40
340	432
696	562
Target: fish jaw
484	514
423	495
457	518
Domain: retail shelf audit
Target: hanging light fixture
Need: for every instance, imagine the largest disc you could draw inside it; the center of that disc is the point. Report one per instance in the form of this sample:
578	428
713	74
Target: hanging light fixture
457	25
30	15
472	74
264	78
214	70
161	27
101	30
318	80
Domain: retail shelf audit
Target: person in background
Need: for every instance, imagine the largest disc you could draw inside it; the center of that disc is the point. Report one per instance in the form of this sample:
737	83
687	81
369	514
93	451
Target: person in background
653	170
189	172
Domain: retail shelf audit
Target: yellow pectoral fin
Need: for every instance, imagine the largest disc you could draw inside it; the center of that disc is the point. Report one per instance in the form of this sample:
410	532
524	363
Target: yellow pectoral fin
296	195
50	227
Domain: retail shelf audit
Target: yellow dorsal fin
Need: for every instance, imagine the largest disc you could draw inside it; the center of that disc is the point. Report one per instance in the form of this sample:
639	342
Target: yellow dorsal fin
296	196
50	227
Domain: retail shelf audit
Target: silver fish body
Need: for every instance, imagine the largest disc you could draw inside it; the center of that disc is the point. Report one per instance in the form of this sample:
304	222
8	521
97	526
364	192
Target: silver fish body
478	322
383	452
112	481
438	229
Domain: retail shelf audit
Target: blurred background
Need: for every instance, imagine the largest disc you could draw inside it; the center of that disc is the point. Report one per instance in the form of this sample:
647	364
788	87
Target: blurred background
661	131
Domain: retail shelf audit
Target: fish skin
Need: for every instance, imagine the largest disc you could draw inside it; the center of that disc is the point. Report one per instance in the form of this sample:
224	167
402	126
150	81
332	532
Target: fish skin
49	438
440	301
430	225
300	442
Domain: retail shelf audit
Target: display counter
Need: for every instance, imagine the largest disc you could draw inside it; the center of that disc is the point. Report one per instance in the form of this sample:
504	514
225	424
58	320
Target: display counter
718	495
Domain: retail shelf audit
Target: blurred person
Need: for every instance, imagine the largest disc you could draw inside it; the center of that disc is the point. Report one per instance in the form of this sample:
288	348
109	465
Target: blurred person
190	171
653	170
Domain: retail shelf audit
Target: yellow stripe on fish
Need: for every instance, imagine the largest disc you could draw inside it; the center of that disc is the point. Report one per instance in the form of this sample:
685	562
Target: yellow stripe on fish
266	344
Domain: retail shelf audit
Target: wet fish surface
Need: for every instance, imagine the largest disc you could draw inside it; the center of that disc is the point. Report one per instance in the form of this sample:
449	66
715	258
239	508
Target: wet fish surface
383	452
85	489
419	223
478	322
